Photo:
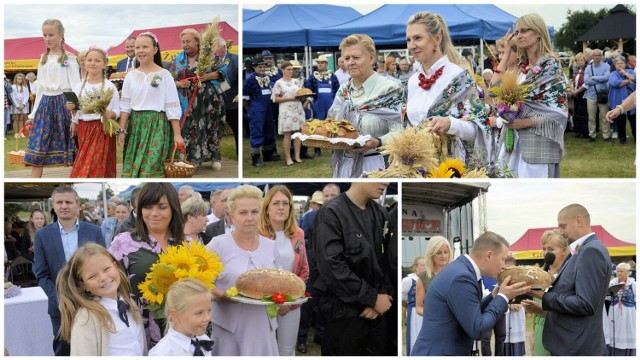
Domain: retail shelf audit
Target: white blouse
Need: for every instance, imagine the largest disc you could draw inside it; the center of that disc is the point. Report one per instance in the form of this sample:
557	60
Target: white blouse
20	97
114	104
126	341
139	95
55	78
177	344
419	101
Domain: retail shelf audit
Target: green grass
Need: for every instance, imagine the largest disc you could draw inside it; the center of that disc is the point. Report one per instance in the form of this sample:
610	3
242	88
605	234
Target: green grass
227	150
582	160
315	168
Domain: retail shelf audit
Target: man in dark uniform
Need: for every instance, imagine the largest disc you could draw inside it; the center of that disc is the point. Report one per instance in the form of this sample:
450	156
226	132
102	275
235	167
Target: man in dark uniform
274	74
231	95
324	84
256	100
350	234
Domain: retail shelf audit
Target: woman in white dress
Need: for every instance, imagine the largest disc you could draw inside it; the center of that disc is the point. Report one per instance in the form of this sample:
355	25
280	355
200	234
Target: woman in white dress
414	321
20	97
442	92
291	113
370	101
622	314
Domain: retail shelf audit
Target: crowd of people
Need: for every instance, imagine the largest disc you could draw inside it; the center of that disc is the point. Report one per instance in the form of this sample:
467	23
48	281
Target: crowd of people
342	248
161	106
453	306
371	91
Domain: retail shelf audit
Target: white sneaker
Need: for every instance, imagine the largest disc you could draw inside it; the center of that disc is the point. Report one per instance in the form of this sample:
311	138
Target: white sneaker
614	135
216	166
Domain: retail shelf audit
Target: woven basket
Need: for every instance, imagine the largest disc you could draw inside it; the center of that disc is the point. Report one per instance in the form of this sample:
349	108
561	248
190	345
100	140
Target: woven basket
16	159
171	170
326	144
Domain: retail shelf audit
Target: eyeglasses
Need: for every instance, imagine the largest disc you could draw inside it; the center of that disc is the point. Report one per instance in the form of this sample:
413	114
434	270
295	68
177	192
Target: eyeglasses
280	204
521	31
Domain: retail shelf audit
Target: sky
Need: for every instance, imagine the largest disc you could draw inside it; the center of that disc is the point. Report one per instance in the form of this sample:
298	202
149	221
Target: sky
554	15
515	206
108	25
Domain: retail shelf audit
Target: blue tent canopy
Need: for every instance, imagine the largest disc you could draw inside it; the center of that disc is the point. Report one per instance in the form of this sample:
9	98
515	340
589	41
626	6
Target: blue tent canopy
387	25
249	13
287	25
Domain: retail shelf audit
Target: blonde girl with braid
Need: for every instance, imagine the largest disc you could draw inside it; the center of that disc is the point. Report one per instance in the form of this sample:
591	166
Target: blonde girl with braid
20	97
50	142
96	156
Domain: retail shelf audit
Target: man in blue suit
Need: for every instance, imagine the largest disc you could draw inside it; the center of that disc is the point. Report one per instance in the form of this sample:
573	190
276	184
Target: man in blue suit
54	244
456	314
231	95
575	302
128	63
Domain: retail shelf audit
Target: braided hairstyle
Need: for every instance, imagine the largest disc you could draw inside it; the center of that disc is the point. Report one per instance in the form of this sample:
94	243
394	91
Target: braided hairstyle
57	24
104	70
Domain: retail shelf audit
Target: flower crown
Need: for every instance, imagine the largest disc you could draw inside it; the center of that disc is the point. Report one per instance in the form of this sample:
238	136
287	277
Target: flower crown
148	33
97	48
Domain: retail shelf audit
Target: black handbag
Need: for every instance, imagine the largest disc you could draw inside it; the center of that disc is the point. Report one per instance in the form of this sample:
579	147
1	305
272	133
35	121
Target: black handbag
602	97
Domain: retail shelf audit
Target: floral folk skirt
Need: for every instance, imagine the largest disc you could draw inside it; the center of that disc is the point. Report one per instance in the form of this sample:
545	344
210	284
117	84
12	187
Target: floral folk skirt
96	152
147	144
204	126
50	141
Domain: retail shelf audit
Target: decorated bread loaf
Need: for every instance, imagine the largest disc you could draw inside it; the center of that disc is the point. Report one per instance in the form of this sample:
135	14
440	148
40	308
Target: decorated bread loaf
534	276
259	283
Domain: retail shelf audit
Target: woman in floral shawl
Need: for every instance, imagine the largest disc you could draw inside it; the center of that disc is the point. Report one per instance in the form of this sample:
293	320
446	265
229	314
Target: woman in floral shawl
205	118
539	141
371	102
442	93
159	225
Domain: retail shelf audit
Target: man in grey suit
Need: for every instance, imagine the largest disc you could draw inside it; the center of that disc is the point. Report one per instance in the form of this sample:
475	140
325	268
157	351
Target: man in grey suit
54	244
575	302
225	224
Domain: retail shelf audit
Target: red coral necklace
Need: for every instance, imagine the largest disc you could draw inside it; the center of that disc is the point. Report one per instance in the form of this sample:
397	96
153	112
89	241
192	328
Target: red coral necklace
524	67
425	82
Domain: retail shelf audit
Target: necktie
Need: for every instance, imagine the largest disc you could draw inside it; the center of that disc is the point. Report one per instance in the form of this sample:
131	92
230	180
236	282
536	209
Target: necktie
122	311
129	64
206	344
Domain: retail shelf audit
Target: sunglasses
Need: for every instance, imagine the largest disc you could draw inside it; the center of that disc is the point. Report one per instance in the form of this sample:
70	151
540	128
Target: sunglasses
521	31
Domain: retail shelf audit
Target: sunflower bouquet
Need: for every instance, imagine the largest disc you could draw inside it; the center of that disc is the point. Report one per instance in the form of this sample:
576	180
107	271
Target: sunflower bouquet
509	103
96	101
190	260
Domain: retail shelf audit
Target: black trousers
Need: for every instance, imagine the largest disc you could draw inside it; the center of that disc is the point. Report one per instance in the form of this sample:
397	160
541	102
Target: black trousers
348	334
60	347
500	332
306	314
621	121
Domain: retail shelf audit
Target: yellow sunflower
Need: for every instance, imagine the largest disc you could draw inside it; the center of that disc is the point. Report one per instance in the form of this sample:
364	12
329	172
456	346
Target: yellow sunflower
457	166
149	292
333	128
208	261
312	129
161	277
182	262
441	172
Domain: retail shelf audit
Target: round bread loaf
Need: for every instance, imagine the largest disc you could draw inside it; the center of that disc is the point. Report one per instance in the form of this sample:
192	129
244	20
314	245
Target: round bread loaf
534	276
259	283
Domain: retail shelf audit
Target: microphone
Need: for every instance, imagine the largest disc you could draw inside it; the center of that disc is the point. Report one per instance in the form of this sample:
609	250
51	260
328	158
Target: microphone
549	258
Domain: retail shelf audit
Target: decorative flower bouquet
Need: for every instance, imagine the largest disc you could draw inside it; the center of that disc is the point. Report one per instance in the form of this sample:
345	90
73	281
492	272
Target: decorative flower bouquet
509	102
96	101
455	168
190	260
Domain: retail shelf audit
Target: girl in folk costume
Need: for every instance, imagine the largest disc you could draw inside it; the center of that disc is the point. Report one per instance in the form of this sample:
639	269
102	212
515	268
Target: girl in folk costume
98	317
442	92
414	321
50	141
96	149
20	96
150	99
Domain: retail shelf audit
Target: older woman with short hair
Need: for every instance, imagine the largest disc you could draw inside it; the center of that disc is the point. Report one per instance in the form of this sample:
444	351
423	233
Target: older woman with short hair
241	329
204	112
622	314
622	82
194	215
370	101
552	242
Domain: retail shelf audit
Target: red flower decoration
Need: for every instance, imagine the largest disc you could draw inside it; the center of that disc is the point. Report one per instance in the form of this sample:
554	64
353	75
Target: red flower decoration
307	294
561	100
425	82
524	67
279	298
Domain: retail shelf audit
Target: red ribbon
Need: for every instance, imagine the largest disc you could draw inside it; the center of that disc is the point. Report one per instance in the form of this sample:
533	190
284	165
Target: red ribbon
25	130
196	80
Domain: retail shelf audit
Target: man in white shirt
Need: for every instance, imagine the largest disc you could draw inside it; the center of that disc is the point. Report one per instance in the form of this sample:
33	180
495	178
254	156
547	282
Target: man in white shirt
127	64
342	74
217	209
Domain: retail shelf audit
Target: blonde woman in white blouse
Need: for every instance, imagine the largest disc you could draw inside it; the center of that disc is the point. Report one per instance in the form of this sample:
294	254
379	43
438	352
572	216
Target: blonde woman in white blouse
150	99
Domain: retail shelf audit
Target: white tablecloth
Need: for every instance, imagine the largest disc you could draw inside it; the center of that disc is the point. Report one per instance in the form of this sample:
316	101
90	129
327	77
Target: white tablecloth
27	326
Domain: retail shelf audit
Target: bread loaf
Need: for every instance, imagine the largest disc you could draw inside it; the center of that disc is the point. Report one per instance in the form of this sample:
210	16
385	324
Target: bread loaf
534	276
259	283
